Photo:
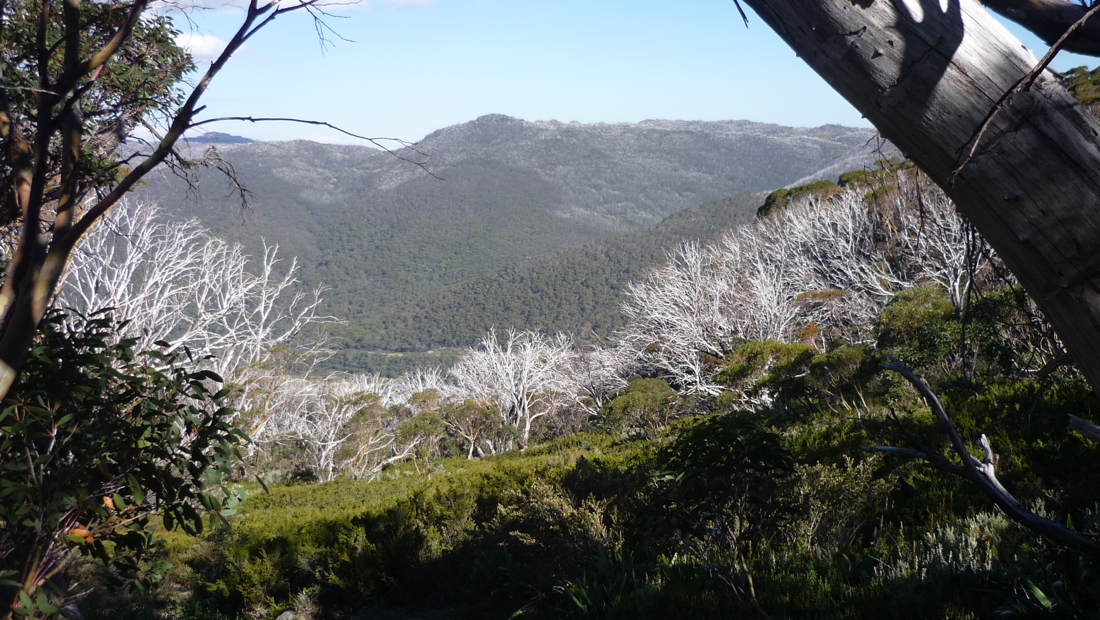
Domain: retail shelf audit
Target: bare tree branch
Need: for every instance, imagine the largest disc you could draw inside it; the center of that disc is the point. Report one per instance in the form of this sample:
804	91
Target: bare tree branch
983	472
1049	19
379	142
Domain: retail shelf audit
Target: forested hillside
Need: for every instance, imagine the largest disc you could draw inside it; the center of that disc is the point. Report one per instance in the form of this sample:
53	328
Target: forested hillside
576	290
397	248
761	439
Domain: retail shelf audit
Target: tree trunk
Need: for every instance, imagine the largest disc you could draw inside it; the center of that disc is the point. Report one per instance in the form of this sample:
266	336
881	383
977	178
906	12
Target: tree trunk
927	73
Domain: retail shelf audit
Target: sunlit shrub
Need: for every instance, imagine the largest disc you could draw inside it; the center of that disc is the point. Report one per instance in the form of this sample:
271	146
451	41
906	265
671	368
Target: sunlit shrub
645	404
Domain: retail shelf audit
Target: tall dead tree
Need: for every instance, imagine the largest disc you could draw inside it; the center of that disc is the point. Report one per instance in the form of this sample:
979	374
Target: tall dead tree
60	66
932	76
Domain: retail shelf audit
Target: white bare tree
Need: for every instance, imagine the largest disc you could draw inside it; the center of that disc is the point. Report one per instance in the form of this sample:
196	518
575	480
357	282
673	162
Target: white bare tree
387	390
819	268
947	249
525	378
340	428
599	372
423	379
177	283
682	312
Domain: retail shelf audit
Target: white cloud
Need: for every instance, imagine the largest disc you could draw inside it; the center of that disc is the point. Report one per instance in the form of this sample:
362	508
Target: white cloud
203	47
411	4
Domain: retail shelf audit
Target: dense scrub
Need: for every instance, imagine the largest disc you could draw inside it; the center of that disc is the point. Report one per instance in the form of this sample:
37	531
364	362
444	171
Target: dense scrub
737	450
669	505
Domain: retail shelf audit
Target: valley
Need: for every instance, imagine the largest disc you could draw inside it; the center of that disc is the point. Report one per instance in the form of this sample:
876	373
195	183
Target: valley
559	215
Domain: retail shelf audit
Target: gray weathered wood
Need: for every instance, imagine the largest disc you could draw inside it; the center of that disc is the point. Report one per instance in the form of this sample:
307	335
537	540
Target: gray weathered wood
983	472
926	73
1049	19
1087	429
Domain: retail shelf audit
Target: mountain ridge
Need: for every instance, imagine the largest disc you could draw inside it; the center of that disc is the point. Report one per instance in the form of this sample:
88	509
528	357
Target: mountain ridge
384	235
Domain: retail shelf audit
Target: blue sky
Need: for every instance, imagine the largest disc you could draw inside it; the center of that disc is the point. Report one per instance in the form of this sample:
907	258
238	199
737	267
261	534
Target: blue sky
414	66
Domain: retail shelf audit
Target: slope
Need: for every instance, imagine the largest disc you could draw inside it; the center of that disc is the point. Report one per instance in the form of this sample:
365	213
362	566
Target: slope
383	236
575	290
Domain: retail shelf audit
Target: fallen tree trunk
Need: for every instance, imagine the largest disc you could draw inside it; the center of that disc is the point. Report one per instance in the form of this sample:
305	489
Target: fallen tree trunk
926	74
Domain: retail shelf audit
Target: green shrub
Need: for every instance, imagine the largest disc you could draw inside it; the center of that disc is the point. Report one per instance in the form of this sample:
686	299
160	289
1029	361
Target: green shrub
723	462
920	326
643	404
96	439
782	197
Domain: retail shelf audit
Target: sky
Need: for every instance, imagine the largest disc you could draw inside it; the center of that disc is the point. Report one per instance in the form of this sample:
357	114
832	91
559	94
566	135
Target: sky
410	67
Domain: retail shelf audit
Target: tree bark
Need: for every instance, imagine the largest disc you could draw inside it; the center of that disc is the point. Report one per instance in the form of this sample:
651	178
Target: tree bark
926	73
1048	19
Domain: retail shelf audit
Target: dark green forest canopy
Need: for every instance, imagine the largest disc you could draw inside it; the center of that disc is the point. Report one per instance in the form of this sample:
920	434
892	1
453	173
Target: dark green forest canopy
397	249
574	290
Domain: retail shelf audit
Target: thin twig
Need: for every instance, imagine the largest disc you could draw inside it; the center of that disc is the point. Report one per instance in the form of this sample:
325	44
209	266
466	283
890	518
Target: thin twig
1022	85
375	141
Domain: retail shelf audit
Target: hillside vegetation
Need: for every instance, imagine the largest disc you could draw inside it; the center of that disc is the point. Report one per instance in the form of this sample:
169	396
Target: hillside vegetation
737	450
576	290
395	246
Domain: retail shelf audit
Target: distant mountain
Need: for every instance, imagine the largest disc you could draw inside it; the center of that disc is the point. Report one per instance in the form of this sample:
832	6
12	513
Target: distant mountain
626	175
214	137
385	236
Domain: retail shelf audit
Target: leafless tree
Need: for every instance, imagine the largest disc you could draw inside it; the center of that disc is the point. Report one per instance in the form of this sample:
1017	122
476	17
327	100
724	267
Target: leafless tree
829	263
422	379
523	378
682	312
341	428
175	282
600	370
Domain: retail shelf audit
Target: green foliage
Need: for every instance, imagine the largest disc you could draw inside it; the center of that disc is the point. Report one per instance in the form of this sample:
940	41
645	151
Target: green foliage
766	364
781	197
793	377
589	526
470	533
604	588
878	179
719	460
1084	85
96	439
643	403
920	325
992	337
137	85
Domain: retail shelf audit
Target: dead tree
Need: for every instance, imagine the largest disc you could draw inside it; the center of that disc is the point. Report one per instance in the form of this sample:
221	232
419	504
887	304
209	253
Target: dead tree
43	142
1022	166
